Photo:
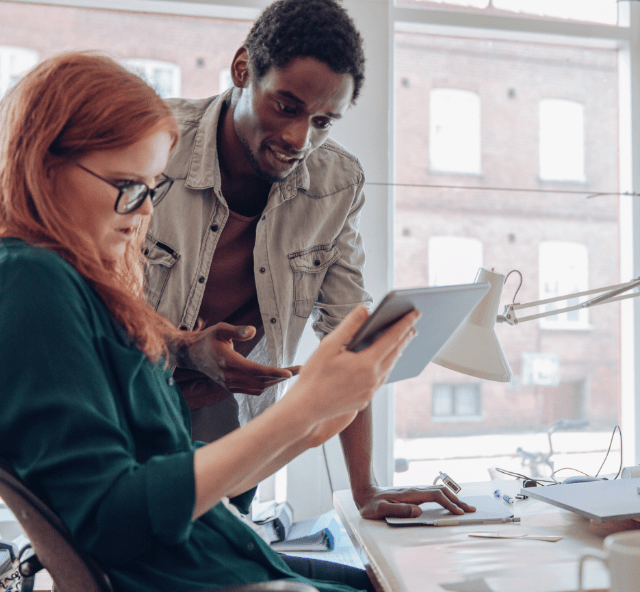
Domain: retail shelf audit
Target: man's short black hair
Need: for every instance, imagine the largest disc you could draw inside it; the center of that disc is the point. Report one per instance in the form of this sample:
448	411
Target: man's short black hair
321	29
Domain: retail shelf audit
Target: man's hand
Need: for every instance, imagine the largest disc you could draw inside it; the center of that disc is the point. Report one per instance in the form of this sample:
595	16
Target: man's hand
213	354
403	502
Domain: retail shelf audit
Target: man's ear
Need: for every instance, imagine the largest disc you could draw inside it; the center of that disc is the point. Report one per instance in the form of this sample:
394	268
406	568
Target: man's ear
240	68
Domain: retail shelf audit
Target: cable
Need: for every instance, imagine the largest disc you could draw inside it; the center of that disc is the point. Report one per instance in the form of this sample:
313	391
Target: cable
609	450
326	464
568	469
540	482
589	194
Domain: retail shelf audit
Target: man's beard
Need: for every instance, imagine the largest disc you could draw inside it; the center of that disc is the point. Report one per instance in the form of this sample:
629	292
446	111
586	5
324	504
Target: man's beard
260	173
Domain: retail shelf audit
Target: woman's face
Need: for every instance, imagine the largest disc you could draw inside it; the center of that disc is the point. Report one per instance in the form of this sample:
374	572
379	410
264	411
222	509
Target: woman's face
90	202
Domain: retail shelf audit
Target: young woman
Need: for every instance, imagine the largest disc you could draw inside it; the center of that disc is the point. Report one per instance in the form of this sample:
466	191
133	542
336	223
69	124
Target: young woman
91	419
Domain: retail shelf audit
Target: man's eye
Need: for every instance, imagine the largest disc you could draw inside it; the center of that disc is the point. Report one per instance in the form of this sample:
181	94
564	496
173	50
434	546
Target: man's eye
324	123
287	108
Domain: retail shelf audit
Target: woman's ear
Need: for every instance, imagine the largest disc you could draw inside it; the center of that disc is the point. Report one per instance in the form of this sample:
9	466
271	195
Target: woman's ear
240	68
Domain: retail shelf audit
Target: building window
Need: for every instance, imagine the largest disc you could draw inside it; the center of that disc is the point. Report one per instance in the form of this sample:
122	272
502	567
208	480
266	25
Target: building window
453	260
456	402
561	141
563	270
162	76
14	63
454	135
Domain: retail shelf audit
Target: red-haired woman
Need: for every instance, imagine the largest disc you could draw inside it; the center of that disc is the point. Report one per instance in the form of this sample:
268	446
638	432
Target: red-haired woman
90	418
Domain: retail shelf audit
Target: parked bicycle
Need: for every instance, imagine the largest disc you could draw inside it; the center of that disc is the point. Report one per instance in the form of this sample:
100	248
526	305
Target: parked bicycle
539	464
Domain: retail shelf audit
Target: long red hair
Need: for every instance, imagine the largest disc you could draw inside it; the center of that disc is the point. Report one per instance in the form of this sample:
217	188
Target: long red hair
67	106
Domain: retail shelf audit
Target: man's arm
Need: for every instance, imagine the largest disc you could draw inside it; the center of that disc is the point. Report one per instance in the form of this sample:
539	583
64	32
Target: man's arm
375	502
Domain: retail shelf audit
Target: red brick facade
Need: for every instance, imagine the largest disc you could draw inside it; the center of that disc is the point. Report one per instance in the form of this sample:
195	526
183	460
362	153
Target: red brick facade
511	79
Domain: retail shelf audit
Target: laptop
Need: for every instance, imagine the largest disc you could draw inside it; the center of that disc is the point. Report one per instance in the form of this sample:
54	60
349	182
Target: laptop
602	501
443	309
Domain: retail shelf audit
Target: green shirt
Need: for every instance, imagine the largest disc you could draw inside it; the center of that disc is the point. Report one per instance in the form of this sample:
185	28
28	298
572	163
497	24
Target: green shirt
103	436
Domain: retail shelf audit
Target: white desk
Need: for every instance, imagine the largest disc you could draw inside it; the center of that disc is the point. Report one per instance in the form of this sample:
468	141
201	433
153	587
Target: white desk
422	558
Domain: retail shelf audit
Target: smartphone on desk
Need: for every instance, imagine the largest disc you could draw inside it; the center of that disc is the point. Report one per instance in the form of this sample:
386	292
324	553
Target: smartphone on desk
443	309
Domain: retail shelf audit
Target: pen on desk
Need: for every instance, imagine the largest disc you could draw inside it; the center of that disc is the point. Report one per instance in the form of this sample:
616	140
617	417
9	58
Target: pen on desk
505	497
478	521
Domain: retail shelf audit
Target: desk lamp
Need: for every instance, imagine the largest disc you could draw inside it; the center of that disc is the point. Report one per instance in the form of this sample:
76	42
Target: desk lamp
474	348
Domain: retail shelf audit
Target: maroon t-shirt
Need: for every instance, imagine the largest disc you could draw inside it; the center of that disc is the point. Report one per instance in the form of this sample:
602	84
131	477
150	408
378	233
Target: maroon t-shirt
229	296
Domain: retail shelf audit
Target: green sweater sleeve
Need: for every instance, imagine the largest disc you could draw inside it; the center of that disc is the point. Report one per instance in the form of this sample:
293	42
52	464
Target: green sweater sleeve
88	422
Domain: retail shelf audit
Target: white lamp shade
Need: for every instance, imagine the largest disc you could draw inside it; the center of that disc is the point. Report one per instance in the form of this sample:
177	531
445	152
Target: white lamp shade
474	348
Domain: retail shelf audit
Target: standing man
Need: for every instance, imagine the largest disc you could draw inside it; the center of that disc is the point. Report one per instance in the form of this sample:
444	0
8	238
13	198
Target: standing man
261	230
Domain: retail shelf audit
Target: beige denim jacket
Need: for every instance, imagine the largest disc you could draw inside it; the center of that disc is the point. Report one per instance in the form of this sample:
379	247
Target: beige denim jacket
308	256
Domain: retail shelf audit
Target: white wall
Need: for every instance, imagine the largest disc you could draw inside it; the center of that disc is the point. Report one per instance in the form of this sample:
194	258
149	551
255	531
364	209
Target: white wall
367	131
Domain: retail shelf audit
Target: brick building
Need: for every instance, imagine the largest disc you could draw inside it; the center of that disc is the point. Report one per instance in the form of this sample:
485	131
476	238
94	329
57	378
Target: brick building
469	113
511	84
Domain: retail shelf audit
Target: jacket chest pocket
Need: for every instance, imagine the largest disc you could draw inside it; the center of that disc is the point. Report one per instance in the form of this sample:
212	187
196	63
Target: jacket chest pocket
309	268
160	259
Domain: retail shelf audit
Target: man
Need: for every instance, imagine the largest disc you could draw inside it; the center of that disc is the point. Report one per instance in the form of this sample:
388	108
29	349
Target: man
261	229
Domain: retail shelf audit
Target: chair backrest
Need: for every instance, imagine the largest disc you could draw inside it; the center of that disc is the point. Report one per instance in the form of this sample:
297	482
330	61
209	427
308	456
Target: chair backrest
69	568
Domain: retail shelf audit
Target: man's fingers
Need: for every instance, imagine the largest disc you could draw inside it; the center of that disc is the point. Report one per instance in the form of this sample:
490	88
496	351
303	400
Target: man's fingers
457	501
392	509
235	332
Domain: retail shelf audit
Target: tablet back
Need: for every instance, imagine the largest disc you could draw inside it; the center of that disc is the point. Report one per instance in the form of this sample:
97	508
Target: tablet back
443	309
602	501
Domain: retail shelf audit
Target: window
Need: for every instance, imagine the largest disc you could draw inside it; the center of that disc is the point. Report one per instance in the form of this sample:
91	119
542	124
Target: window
521	90
457	402
454	136
162	76
561	140
14	63
453	260
563	270
595	11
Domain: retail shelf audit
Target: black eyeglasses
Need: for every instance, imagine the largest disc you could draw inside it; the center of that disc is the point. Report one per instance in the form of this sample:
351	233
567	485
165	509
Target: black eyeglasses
133	193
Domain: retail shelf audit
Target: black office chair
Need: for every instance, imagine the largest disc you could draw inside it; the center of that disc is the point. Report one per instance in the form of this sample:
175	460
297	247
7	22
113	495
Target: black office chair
70	569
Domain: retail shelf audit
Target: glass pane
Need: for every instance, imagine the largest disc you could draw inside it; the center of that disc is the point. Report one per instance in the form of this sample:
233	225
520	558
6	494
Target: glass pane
561	240
589	11
467	399
200	48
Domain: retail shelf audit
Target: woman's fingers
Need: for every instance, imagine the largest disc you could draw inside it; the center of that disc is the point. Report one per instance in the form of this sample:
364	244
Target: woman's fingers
393	341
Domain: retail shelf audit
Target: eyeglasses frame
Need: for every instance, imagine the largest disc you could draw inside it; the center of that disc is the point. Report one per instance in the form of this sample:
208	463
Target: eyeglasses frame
148	193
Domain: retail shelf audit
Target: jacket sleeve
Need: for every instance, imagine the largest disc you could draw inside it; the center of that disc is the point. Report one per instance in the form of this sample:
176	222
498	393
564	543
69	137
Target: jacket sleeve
66	429
343	285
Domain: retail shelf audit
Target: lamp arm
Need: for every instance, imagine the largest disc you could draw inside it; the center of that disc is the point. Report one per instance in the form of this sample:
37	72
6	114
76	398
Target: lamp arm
612	294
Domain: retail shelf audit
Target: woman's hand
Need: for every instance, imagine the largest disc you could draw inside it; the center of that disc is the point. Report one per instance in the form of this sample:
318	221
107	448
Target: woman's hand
333	386
337	383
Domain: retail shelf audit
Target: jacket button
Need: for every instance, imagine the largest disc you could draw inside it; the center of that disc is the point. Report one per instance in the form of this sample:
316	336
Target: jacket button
184	328
263	218
250	547
201	279
171	381
262	270
215	228
317	262
146	252
273	320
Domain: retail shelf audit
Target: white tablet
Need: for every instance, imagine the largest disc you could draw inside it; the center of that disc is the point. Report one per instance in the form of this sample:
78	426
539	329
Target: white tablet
443	309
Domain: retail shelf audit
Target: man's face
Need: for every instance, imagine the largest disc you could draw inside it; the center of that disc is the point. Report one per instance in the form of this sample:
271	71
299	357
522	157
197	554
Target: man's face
282	118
